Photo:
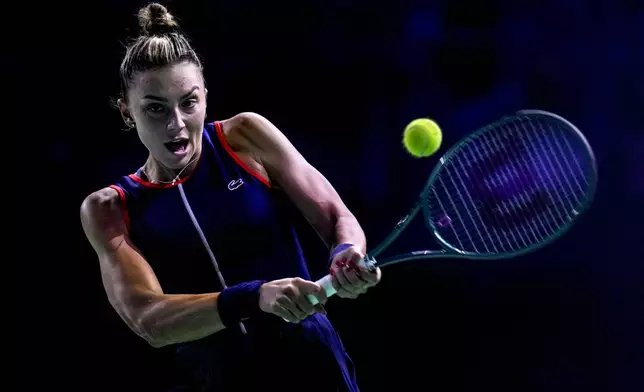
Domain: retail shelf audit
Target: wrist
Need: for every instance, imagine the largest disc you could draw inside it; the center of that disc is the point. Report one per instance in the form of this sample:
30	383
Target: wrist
339	249
239	302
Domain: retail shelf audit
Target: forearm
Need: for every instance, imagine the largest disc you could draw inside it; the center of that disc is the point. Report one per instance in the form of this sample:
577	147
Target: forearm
179	318
347	230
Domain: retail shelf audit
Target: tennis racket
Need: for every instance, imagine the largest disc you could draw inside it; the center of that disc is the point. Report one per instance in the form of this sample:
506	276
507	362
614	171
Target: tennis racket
505	190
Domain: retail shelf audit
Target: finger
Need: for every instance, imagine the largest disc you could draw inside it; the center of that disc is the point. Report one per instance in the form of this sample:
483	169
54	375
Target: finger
352	274
338	264
300	301
310	288
363	272
298	298
372	277
321	296
341	284
289	305
357	285
356	264
306	286
284	313
319	308
348	294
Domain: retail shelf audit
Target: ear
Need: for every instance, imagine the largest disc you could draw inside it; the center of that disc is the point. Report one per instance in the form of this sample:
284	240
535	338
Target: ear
125	113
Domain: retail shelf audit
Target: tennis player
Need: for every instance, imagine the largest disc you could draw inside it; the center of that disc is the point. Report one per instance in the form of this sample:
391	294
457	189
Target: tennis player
216	198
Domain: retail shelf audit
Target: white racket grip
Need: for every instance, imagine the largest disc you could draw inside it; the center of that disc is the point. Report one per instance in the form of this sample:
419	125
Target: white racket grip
327	286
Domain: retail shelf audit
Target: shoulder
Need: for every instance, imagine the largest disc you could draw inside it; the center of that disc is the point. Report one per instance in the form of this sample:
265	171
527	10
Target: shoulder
103	220
100	205
242	121
252	133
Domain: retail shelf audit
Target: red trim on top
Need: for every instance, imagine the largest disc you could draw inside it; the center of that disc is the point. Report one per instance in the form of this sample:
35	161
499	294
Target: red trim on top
126	216
222	140
154	184
148	184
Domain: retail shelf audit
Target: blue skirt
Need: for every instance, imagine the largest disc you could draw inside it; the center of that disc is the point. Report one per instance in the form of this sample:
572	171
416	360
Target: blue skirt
274	355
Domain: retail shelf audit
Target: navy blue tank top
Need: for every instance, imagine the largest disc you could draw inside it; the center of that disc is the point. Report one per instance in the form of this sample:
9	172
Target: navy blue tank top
249	227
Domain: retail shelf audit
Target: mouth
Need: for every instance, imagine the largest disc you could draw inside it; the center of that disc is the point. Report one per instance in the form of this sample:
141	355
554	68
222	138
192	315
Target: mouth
178	146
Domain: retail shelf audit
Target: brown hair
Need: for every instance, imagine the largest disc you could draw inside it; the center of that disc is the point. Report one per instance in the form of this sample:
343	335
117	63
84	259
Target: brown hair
160	43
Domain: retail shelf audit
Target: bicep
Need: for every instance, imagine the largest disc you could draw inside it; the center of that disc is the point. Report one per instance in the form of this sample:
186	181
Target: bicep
128	279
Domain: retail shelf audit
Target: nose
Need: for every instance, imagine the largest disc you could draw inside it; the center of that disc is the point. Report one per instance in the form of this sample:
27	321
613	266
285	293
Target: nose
175	122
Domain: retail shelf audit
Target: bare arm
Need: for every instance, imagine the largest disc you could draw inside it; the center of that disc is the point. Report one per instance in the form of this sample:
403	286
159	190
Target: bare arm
132	287
310	191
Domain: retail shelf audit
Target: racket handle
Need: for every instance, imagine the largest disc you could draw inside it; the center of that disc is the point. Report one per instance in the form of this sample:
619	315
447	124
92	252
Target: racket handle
327	286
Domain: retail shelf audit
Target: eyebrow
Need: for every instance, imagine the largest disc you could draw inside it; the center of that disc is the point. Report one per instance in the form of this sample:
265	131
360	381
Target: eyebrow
193	89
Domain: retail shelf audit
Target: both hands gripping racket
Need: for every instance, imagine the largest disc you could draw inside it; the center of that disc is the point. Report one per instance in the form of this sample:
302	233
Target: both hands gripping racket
507	189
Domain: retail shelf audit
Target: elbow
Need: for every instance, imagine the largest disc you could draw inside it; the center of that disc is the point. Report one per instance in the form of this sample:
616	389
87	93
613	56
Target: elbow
149	335
149	331
145	333
156	343
140	313
145	326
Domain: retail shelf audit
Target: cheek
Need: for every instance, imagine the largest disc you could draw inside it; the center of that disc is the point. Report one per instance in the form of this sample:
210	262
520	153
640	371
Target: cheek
196	119
200	111
148	136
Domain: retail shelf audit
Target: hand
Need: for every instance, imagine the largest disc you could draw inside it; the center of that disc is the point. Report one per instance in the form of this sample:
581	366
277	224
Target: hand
349	279
286	298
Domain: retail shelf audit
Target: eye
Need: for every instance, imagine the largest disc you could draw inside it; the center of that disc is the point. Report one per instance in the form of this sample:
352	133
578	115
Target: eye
190	102
155	108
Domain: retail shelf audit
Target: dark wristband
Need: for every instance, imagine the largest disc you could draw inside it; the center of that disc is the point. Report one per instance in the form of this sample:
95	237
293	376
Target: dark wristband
339	249
238	302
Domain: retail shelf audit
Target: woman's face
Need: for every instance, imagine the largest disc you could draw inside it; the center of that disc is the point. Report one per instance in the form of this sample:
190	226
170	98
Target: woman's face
168	107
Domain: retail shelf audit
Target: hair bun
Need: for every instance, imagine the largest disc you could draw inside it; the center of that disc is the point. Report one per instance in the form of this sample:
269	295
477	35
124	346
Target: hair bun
154	19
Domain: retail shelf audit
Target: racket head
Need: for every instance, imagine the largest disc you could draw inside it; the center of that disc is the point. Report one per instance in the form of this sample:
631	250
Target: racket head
511	187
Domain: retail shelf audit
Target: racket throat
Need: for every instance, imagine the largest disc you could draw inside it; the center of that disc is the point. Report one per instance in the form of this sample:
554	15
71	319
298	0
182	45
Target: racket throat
369	263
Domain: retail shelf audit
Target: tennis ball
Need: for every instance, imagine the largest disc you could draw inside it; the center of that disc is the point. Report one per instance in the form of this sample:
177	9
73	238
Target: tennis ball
422	137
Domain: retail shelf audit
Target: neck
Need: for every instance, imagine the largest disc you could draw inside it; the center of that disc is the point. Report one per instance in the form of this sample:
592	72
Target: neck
157	172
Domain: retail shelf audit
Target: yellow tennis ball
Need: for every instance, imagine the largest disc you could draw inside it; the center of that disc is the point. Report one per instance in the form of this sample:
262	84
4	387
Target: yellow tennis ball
422	137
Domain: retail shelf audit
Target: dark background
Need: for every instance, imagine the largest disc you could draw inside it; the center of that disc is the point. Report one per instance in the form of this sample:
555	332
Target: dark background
341	79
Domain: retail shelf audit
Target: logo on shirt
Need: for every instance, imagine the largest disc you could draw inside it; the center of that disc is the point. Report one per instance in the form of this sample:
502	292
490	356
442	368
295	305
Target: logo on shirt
234	184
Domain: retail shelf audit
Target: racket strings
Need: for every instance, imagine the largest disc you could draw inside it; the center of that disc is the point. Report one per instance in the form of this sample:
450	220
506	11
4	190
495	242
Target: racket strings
529	233
541	227
485	239
528	181
562	192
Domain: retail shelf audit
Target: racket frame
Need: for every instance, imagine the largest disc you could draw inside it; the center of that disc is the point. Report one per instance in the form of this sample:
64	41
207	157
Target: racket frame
449	251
